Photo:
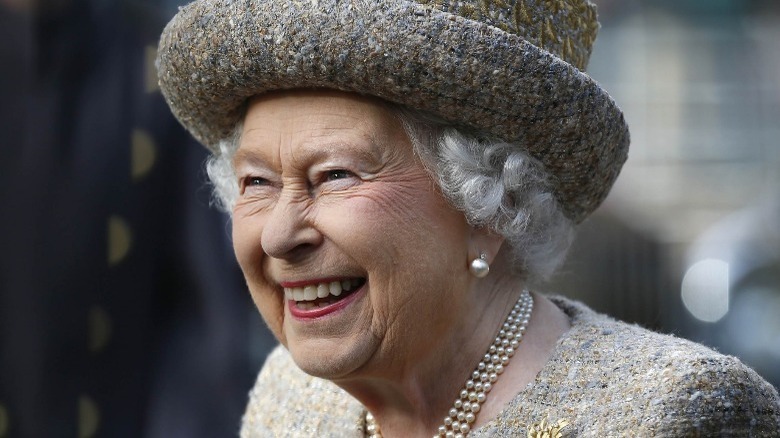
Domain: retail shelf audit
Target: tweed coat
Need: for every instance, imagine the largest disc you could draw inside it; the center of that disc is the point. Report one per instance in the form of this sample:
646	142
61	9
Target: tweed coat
605	378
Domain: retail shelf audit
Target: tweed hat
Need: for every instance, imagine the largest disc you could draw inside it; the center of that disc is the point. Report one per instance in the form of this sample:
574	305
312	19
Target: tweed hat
509	69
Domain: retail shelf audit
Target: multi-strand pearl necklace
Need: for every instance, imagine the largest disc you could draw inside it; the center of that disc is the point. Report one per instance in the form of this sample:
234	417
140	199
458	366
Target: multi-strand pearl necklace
465	409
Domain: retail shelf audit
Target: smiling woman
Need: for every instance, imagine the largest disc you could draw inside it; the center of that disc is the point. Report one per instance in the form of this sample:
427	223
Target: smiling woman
396	173
302	232
349	248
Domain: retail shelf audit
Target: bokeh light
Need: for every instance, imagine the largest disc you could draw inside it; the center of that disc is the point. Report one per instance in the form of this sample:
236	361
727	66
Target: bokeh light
705	290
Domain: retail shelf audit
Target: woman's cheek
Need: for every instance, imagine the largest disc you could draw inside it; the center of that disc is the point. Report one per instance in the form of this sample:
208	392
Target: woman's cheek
251	205
246	240
402	198
362	215
249	217
271	308
248	249
268	301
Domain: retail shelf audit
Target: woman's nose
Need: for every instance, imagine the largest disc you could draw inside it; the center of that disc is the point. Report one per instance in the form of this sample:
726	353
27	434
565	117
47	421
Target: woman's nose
289	233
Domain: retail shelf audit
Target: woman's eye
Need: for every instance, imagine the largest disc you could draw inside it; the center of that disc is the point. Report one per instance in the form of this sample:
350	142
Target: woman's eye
255	181
334	180
337	174
252	182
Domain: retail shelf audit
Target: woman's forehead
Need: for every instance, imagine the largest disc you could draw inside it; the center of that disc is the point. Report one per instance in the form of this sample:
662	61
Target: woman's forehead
320	101
320	112
318	121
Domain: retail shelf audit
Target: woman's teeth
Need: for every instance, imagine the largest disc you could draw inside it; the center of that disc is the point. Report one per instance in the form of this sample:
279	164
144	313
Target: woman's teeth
322	290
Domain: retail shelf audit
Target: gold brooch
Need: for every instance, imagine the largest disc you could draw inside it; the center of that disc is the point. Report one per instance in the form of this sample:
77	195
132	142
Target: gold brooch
547	430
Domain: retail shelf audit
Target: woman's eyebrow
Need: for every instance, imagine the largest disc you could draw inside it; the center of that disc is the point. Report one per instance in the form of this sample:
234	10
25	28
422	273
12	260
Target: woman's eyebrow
366	147
248	156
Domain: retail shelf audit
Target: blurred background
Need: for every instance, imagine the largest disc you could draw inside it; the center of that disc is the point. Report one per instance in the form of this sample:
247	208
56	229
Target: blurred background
688	241
123	313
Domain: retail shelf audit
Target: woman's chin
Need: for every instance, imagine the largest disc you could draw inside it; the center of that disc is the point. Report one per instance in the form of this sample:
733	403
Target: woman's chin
335	344
332	359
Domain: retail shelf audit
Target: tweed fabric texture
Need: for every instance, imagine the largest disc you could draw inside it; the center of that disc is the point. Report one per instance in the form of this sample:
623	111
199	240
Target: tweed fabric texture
607	378
495	67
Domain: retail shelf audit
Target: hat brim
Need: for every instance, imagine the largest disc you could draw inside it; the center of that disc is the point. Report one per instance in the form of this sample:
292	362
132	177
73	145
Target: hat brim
215	54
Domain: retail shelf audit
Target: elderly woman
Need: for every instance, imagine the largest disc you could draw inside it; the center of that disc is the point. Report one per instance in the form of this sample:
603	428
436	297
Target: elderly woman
397	171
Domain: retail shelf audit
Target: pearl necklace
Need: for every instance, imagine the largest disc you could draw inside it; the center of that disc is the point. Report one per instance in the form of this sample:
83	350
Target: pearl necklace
473	395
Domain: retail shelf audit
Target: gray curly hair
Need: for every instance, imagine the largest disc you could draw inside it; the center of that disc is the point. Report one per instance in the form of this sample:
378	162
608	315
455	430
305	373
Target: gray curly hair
494	183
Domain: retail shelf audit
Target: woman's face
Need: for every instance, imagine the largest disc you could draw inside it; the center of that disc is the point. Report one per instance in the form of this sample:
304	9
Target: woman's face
350	253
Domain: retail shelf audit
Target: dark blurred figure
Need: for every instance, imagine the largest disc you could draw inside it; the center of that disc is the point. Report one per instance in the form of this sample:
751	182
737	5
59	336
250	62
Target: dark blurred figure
122	312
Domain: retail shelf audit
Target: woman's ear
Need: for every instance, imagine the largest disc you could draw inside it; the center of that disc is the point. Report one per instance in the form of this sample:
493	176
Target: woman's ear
484	241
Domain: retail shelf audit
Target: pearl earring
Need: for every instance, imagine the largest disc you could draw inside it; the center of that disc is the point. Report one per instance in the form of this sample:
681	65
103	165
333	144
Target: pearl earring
479	267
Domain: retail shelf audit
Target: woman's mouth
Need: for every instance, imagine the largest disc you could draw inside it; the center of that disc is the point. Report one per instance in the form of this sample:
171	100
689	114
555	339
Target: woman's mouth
312	296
